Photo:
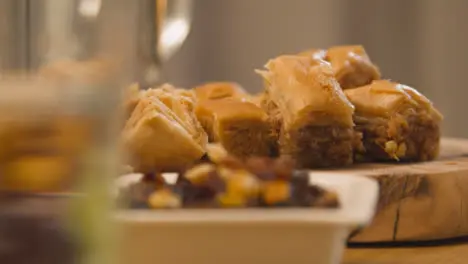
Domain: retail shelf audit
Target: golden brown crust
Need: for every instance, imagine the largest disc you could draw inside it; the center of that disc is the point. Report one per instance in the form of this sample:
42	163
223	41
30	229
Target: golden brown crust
305	91
219	90
231	108
308	111
163	133
423	102
182	105
240	126
188	94
397	122
380	98
384	98
352	66
209	112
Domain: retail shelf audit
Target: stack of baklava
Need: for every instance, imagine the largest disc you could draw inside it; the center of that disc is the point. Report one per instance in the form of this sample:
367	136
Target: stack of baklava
330	108
323	108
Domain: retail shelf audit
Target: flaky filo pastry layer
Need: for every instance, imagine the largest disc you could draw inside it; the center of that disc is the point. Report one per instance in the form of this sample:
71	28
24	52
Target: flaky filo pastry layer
133	93
397	122
305	91
351	64
182	103
213	91
311	112
384	98
219	90
163	132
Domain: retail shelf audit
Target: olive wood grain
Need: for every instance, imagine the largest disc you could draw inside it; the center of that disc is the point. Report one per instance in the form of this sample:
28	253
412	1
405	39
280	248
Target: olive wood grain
420	201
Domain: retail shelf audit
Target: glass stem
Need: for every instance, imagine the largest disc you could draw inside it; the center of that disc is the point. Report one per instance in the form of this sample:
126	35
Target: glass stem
153	76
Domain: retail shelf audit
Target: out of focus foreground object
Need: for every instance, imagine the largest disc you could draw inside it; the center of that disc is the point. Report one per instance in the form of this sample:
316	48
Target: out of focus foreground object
35	32
63	64
13	34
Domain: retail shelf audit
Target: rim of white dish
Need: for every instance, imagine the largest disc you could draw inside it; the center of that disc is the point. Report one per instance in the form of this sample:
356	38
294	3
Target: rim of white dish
358	197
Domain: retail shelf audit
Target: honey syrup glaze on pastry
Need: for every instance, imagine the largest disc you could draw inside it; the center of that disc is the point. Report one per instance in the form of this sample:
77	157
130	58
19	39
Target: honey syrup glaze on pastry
300	86
351	64
317	54
316	117
219	90
397	122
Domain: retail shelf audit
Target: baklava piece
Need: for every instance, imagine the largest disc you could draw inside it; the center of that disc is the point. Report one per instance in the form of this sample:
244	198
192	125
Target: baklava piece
316	126
352	66
274	115
219	90
397	122
241	127
182	103
163	133
188	94
133	94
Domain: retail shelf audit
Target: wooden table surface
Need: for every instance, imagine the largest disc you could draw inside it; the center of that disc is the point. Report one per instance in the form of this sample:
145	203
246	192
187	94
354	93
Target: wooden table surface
454	251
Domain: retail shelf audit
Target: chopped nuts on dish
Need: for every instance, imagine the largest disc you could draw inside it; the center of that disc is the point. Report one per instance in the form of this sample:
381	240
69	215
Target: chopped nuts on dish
232	183
164	198
276	192
199	173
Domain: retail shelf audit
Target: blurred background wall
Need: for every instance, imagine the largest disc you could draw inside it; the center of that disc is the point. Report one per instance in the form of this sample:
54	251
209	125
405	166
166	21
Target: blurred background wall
422	43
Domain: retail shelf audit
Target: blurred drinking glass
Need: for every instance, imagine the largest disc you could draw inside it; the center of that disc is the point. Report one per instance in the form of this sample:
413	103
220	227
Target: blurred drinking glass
163	27
63	64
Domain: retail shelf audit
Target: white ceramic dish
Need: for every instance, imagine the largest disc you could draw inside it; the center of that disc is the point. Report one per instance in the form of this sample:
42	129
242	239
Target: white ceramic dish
249	236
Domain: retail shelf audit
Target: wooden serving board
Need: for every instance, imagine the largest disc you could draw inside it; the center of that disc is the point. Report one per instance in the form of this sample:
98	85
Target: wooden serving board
453	251
420	201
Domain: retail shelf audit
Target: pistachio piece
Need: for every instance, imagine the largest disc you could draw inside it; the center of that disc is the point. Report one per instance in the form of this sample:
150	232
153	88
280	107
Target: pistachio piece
164	198
199	173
